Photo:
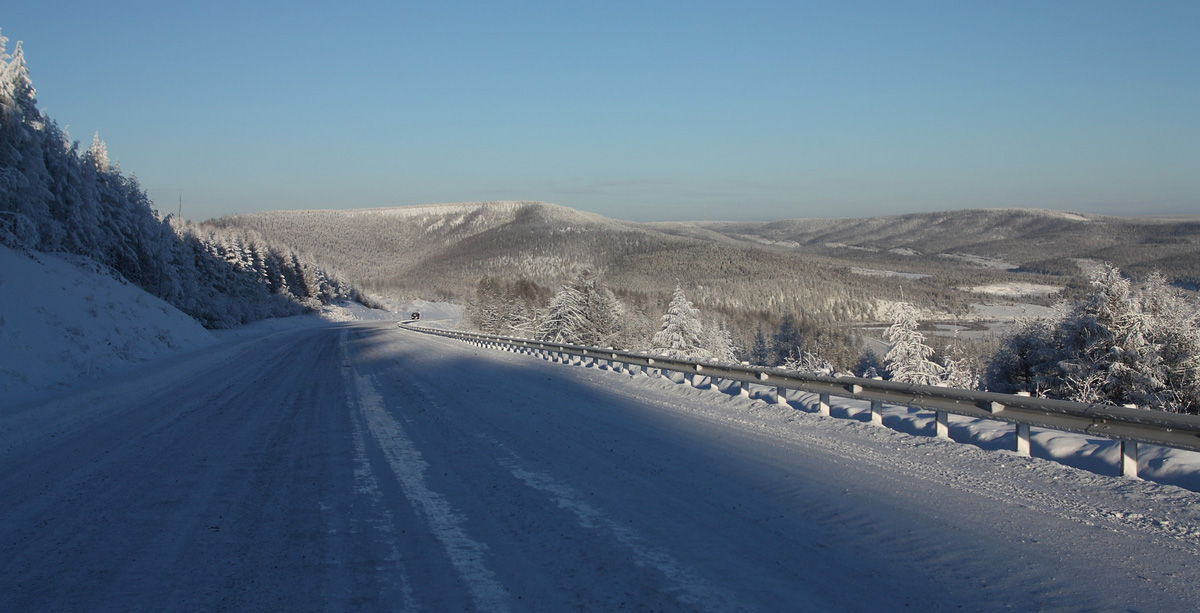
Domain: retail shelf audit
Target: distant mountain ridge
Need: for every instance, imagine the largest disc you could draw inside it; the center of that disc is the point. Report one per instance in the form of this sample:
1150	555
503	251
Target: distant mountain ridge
542	240
1028	239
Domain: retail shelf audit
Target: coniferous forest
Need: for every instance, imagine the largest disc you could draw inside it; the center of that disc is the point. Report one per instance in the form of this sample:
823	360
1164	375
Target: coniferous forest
57	196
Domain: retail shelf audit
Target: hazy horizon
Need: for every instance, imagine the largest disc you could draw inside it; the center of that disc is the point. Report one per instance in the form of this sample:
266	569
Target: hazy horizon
637	111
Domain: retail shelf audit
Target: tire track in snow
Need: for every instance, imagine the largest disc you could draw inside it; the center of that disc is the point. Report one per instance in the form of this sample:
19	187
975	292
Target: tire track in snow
692	589
445	523
366	483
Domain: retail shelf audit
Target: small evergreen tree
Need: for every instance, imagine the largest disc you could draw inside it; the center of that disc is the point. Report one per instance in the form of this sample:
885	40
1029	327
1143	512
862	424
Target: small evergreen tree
760	350
681	335
788	342
908	360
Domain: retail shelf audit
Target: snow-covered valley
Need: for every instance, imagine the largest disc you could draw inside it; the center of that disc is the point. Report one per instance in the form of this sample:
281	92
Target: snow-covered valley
336	463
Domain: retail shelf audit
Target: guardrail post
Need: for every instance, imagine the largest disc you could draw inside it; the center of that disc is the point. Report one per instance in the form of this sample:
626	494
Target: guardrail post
744	389
1023	440
942	425
618	365
1129	459
877	412
781	396
823	404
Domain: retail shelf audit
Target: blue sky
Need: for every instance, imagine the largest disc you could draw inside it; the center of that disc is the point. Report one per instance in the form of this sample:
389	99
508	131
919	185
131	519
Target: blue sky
634	110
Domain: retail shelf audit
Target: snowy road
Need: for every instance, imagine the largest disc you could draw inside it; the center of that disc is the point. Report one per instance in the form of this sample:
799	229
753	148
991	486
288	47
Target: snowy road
362	467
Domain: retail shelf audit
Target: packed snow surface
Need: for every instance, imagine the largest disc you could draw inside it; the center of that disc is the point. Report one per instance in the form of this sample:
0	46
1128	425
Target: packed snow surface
64	318
364	466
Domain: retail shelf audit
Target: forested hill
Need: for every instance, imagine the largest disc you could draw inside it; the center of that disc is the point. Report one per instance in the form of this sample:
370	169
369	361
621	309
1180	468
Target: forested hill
443	251
1028	239
804	265
54	197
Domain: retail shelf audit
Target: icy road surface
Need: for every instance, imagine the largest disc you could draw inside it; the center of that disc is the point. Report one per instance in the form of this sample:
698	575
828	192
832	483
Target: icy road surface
364	467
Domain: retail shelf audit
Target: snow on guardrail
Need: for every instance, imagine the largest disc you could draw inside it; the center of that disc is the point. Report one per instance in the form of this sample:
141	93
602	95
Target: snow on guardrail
1128	425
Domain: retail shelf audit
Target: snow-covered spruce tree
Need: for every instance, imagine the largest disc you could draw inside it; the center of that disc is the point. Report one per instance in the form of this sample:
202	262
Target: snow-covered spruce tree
908	360
583	313
54	198
25	219
681	335
563	317
602	311
1108	354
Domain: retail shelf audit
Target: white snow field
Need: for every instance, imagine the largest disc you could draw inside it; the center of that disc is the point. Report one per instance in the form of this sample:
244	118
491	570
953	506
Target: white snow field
360	466
64	318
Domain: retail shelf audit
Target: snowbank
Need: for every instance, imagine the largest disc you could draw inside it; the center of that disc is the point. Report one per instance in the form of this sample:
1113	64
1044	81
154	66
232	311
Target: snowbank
64	318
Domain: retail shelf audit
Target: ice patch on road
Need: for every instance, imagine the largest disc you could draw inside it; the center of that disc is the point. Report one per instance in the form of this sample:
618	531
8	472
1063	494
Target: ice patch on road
445	523
694	591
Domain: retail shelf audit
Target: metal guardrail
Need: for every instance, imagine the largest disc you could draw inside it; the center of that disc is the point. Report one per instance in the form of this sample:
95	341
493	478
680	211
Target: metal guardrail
1128	425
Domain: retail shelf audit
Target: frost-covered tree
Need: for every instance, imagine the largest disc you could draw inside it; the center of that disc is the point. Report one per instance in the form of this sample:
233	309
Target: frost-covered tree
54	198
908	359
485	312
1119	345
583	313
958	369
681	335
718	340
602	311
807	362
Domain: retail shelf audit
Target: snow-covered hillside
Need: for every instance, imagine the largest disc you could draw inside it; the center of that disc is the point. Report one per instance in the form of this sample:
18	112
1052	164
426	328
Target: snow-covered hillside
64	318
66	321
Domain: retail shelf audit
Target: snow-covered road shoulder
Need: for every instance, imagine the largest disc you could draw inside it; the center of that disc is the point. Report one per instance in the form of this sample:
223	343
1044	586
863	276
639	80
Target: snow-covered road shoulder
64	318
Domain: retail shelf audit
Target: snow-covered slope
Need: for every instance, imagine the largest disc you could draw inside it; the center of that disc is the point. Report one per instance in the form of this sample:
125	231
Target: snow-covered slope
65	318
